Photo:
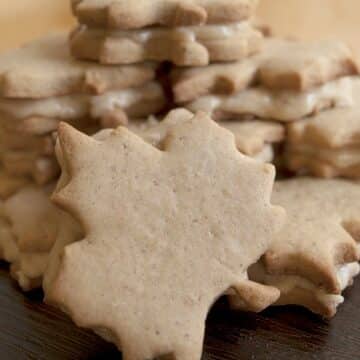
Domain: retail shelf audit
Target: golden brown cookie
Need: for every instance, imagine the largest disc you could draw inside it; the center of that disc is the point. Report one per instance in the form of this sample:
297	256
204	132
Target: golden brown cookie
44	68
282	105
324	165
185	46
327	144
296	290
33	218
141	101
281	64
321	232
28	269
122	14
314	258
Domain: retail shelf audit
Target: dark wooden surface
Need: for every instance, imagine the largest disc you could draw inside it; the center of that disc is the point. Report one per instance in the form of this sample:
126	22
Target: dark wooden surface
31	330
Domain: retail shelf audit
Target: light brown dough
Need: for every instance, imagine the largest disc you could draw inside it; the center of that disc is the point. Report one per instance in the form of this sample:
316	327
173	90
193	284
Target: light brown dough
33	218
122	14
280	65
322	230
327	144
28	269
136	102
282	105
296	290
44	68
186	46
168	193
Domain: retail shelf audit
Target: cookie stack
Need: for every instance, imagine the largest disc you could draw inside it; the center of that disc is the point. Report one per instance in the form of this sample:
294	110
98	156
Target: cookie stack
327	144
314	258
41	85
285	82
192	33
166	216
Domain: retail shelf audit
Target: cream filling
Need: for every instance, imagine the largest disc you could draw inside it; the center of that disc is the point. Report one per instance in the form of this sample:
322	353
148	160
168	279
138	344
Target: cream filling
78	106
267	154
286	283
103	104
64	107
278	105
338	157
184	33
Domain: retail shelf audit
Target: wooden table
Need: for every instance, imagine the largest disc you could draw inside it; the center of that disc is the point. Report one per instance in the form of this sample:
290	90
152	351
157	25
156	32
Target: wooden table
31	330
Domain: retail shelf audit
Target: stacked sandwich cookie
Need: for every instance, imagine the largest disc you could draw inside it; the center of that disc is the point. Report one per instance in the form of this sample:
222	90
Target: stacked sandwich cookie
42	85
285	82
314	258
192	33
328	144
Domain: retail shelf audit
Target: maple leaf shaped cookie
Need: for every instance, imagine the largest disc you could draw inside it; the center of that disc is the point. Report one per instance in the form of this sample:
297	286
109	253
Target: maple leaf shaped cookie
327	144
124	14
166	233
44	68
314	258
280	65
190	46
321	231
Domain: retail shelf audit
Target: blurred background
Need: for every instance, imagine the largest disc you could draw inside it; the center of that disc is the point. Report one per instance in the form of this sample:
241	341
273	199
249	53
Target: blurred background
22	20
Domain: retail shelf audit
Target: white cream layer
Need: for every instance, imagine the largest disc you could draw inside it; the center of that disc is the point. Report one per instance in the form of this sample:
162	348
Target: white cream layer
185	33
78	106
287	283
278	105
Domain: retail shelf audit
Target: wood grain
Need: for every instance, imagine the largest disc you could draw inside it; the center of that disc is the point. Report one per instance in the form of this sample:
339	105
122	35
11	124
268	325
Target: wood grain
32	330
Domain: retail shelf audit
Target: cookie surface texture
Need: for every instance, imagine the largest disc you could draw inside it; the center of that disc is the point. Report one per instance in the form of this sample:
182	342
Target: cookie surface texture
321	232
166	233
122	14
45	68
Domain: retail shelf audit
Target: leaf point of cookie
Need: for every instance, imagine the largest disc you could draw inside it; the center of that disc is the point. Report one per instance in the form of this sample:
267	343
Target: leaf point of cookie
189	14
182	135
252	296
69	137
